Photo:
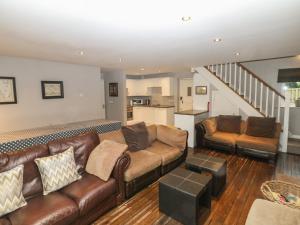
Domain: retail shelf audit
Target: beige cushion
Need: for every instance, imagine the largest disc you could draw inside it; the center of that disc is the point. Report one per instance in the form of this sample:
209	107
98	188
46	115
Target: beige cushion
11	184
172	136
264	212
57	171
259	143
166	152
141	162
223	137
116	136
152	133
103	158
210	125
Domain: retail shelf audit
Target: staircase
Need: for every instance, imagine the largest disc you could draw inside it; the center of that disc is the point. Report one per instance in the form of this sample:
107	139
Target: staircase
256	97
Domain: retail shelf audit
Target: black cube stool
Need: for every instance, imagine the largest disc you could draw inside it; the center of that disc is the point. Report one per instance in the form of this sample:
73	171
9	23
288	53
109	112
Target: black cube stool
216	166
185	196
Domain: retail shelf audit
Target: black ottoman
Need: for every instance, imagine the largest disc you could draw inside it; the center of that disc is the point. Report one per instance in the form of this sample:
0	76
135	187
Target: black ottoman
216	166
185	196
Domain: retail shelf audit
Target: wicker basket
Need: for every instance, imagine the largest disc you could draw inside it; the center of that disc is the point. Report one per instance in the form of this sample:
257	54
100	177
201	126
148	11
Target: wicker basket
283	188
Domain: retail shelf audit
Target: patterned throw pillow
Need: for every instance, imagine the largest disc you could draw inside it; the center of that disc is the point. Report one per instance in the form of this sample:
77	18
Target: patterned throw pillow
11	184
57	171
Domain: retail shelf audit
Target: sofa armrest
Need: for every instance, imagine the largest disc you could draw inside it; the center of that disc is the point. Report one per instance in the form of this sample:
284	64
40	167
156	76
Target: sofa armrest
118	173
200	133
209	125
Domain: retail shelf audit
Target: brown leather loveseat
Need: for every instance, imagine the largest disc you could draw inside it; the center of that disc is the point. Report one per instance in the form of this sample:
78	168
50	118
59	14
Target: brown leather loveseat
258	136
81	202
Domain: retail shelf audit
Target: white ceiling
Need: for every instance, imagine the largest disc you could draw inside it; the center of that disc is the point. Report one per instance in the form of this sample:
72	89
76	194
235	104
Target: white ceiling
149	34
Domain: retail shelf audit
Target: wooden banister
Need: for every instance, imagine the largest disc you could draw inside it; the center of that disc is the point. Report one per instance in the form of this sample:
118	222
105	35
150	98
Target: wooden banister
260	80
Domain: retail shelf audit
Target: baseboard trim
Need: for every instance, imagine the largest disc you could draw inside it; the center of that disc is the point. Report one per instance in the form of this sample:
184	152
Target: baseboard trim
294	136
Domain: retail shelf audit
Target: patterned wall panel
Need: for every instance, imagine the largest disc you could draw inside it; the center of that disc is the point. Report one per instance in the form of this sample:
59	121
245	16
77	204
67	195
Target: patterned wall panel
14	141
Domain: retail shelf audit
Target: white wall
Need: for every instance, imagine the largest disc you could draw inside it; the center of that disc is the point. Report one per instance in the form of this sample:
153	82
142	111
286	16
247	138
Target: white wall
200	101
83	90
267	70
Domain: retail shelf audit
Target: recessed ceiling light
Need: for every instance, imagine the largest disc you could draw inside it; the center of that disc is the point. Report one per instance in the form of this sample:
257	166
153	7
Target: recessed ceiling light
81	53
120	59
142	69
237	54
186	18
217	39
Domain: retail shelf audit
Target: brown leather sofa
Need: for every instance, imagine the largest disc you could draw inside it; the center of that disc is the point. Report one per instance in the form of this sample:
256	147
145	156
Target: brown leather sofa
81	202
216	134
149	164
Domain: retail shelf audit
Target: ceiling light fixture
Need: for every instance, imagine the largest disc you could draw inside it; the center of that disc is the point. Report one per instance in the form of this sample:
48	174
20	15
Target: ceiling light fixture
237	54
142	69
217	39
186	18
81	53
120	59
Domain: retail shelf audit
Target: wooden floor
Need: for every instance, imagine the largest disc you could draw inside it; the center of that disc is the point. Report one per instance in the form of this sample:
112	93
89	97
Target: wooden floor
244	178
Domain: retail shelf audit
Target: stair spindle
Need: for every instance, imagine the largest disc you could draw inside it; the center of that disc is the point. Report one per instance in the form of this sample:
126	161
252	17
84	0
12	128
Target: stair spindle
235	72
261	96
273	103
245	83
278	109
230	74
240	81
267	102
226	73
255	93
250	90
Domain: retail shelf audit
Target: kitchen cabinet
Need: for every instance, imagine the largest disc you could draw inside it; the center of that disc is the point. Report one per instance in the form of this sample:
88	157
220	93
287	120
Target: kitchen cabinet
142	87
157	115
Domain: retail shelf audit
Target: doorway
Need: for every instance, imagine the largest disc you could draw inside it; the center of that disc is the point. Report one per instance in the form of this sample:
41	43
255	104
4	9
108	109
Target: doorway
185	94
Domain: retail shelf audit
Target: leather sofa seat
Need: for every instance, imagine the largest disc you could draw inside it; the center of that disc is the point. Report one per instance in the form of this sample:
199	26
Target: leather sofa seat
259	143
223	137
89	191
141	162
54	208
4	221
166	152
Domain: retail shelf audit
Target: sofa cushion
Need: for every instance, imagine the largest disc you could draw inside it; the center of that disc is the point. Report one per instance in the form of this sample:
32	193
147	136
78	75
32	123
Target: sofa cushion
223	137
103	158
261	127
54	208
172	136
136	136
11	197
83	145
210	125
258	143
57	171
270	213
4	221
115	135
166	152
32	183
229	123
89	191
152	133
141	162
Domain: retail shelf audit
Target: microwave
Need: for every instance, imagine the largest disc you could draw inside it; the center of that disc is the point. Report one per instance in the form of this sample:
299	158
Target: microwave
137	101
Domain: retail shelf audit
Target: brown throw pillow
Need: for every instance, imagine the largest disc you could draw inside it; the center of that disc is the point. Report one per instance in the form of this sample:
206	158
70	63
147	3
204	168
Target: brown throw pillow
210	125
261	127
229	123
136	136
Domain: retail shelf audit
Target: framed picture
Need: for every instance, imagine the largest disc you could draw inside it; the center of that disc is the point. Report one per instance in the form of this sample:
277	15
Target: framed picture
8	93
113	89
201	90
52	89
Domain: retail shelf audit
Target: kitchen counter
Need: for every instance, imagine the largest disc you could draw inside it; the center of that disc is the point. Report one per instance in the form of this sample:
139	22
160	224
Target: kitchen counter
192	112
155	106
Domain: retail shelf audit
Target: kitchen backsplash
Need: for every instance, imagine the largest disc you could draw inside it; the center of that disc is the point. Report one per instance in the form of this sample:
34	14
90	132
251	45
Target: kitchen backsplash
156	97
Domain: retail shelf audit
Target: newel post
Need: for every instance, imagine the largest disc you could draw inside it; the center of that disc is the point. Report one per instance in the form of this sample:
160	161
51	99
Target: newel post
285	133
